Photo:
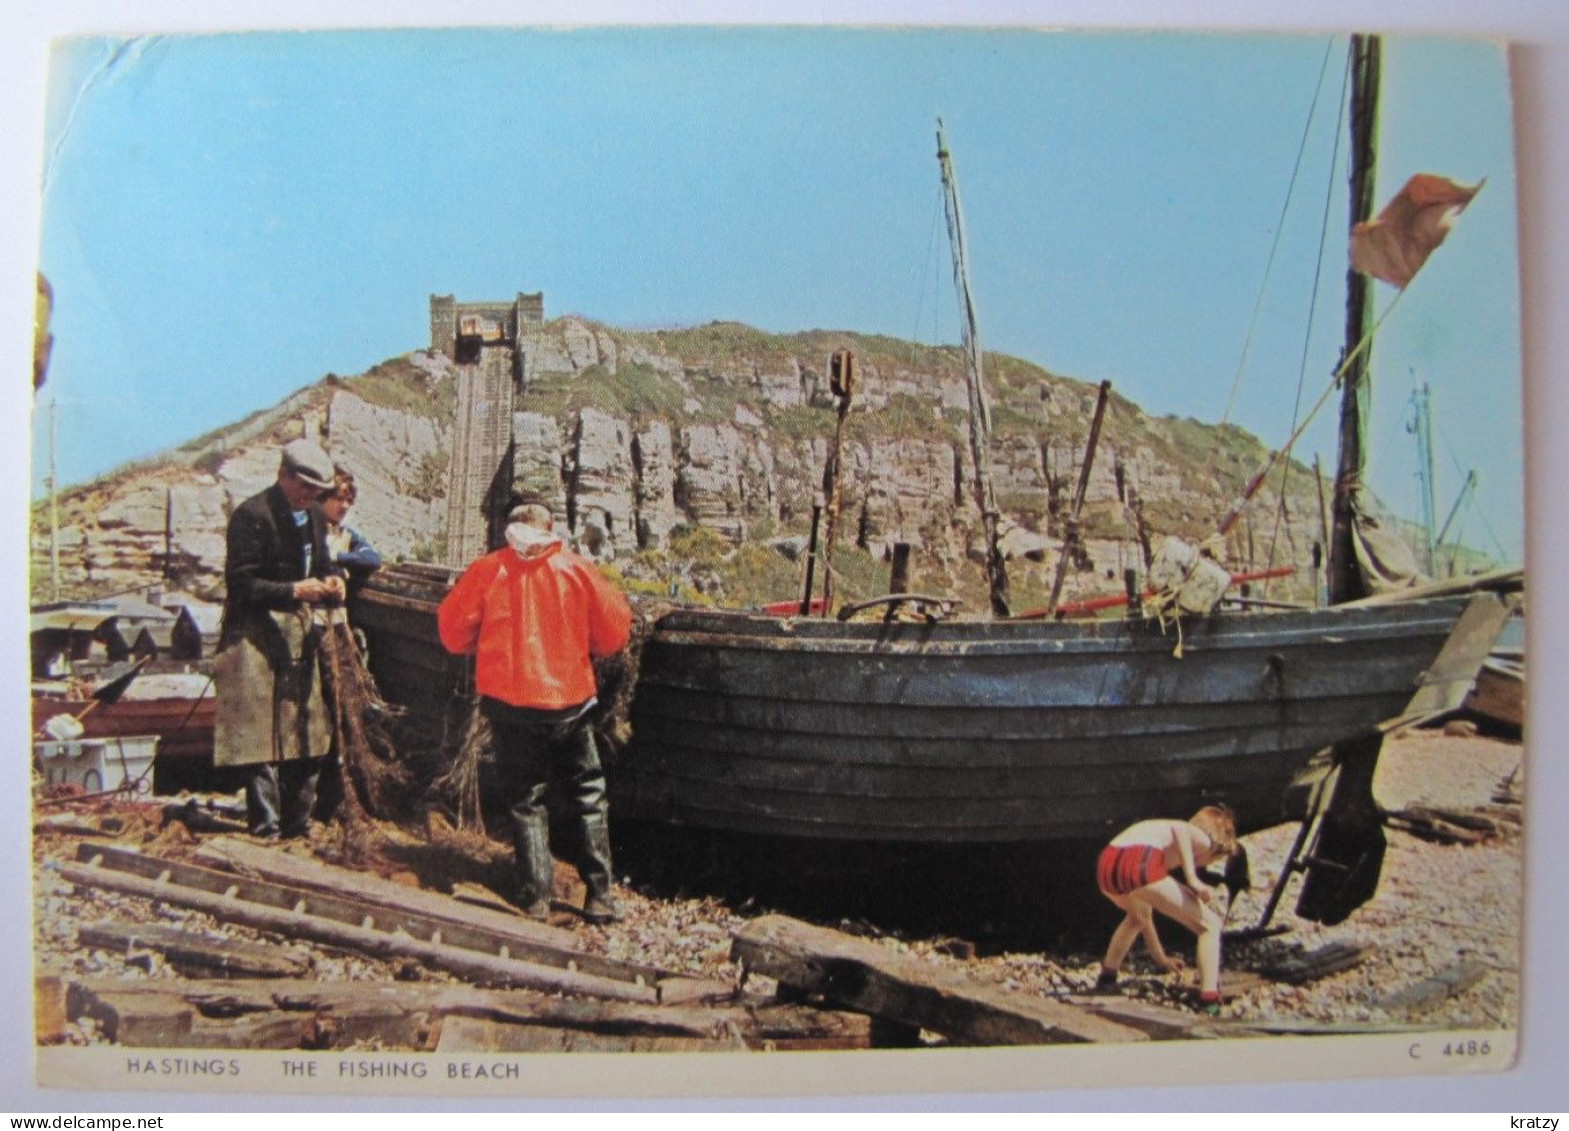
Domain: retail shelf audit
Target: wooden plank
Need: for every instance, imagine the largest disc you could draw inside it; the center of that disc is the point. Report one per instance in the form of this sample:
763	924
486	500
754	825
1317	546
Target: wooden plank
1433	828
1158	1022
272	1030
1229	1028
379	944
868	977
1465	818
449	929
195	955
1328	959
142	1020
383	1024
316	875
1429	992
49	1012
476	1035
759	1022
218	998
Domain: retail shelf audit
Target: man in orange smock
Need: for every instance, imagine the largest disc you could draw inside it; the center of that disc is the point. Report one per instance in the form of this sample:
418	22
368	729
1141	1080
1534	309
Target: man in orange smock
535	615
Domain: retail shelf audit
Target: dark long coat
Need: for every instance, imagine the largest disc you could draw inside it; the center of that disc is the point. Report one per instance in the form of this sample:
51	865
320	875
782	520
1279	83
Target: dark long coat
270	705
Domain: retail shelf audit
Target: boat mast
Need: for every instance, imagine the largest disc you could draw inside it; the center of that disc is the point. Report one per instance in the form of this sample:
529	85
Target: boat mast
980	411
1345	579
1422	428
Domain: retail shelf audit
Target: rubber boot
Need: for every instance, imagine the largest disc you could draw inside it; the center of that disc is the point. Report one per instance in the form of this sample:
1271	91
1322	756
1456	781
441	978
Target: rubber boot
600	905
536	869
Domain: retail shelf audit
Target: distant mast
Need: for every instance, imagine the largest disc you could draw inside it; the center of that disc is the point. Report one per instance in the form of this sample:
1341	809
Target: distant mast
1344	577
980	411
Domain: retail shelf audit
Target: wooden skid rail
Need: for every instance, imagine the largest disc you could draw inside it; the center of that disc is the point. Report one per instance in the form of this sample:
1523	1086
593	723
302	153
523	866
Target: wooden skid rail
864	976
476	952
295	1013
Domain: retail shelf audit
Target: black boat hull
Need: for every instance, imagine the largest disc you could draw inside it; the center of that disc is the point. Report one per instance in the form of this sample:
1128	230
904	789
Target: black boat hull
1011	732
966	732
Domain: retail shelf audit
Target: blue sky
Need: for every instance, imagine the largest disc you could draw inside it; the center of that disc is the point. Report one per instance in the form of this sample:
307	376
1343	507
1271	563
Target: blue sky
227	218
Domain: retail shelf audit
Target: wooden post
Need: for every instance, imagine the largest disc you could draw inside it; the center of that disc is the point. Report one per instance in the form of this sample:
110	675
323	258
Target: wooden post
841	379
899	578
1078	497
1345	581
975	380
811	560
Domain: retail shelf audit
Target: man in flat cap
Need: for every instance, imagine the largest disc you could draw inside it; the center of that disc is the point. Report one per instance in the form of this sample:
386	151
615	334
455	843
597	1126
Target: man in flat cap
535	615
271	717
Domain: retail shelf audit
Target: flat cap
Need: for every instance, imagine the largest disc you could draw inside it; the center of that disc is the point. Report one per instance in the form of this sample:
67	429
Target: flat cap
309	463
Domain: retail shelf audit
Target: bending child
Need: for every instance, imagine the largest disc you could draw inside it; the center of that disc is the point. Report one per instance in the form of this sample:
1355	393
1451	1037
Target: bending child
1154	866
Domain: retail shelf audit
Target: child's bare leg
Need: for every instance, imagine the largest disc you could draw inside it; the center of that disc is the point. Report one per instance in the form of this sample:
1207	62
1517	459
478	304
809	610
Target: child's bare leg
1121	941
1178	902
1152	943
1209	953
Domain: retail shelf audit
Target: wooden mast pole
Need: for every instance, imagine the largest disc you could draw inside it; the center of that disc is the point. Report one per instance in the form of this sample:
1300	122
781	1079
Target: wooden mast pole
1344	578
980	412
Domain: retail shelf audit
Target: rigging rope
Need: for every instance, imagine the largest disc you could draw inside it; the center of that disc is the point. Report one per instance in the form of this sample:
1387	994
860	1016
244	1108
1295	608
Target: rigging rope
1335	379
926	273
1258	303
1318	276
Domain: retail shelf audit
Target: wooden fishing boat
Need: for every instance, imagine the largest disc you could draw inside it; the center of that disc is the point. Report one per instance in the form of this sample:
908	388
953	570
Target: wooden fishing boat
972	731
1005	732
176	707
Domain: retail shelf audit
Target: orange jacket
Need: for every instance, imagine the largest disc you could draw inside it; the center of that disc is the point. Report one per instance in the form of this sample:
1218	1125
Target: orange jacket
534	624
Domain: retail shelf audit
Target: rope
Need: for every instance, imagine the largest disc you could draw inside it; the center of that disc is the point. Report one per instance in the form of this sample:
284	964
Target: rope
1280	225
926	265
1335	379
1307	336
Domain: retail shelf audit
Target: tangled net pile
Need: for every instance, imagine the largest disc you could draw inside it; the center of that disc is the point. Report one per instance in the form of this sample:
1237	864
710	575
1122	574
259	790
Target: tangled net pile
377	784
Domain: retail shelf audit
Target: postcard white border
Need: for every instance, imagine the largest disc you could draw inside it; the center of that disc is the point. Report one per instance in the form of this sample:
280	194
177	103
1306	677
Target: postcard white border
990	1078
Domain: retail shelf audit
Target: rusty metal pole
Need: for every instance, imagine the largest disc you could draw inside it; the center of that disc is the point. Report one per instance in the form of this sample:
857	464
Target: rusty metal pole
841	379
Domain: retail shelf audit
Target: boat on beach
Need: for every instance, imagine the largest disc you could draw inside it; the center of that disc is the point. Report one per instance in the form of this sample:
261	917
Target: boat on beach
928	730
175	707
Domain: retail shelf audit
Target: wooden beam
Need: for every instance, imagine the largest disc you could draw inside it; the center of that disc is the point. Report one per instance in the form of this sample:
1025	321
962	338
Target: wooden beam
272	1030
476	1035
348	1009
870	978
368	940
1158	1022
49	1009
458	924
315	875
144	1020
1433	991
1328	959
195	955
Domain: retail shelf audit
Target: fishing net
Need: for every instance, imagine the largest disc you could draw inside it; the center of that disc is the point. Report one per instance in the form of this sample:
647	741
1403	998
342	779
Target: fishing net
458	786
377	784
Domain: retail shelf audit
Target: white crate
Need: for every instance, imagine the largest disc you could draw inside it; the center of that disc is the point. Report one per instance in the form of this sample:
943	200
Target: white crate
98	764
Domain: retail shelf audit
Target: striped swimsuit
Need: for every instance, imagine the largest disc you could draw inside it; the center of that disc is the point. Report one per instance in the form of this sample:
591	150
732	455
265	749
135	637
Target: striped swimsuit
1131	866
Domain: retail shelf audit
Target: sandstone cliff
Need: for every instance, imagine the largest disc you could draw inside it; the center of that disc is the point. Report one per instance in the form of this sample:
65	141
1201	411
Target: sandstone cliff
645	440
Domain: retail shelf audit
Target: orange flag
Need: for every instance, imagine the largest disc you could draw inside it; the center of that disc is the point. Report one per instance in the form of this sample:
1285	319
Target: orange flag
1394	246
